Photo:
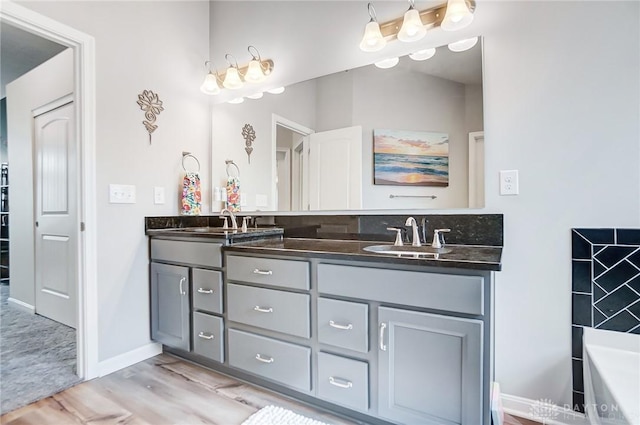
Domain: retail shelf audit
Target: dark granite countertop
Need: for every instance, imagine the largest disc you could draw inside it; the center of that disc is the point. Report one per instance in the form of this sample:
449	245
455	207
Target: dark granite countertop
219	233
461	256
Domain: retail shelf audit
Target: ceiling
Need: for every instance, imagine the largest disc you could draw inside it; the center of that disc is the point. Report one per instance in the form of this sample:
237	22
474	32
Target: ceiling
20	52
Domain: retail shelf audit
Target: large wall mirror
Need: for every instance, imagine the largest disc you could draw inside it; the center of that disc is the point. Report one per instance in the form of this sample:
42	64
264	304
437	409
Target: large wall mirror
314	144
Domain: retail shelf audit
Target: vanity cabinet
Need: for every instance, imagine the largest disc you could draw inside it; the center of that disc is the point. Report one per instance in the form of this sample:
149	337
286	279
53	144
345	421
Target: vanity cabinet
170	305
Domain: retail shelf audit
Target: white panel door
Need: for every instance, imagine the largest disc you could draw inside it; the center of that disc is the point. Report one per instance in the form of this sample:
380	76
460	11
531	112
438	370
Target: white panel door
335	169
56	235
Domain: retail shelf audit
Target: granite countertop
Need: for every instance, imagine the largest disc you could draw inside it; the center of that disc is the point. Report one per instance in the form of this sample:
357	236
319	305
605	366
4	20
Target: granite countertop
461	256
219	233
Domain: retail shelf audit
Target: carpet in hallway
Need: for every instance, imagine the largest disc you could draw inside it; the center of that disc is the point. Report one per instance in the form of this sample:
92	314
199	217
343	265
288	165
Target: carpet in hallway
37	356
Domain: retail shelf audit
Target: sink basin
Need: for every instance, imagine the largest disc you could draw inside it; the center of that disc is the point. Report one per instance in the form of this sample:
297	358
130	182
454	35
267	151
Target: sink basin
406	250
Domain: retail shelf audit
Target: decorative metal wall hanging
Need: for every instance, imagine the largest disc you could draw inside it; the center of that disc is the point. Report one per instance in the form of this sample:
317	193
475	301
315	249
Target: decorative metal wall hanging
151	104
249	135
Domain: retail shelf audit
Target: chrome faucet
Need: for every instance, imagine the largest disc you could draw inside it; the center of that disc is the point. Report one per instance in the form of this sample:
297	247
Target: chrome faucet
234	223
414	226
438	238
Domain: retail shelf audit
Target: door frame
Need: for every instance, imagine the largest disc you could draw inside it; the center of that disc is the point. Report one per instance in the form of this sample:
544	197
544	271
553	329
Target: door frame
278	121
287	159
474	138
83	46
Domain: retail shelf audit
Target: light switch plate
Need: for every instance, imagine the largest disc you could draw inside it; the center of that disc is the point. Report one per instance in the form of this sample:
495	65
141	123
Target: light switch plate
509	182
158	195
122	194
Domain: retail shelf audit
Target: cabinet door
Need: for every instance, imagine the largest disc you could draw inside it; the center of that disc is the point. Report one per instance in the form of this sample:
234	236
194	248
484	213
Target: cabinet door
430	368
170	305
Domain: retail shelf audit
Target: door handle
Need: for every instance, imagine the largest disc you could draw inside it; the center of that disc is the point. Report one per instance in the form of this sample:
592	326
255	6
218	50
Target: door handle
37	224
181	283
383	326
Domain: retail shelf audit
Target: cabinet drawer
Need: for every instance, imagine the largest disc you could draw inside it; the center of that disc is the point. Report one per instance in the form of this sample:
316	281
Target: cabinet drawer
279	361
187	252
207	290
343	324
343	381
458	293
279	311
268	271
208	336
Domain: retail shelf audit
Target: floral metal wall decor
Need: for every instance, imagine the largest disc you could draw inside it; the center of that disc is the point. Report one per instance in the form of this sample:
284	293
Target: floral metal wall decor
249	135
151	104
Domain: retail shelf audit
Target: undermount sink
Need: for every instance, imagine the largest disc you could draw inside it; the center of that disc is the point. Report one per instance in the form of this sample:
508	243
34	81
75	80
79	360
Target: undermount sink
406	250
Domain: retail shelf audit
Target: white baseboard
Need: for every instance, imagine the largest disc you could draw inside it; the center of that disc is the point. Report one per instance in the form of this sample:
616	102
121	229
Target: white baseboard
129	358
537	410
22	305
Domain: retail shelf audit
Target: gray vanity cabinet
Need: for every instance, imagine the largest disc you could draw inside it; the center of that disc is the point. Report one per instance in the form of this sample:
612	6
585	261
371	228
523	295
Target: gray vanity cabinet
429	368
170	305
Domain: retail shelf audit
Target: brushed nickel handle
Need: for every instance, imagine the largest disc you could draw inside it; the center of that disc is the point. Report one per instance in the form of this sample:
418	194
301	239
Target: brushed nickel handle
205	336
338	382
339	326
182	292
264	359
205	291
383	326
263	309
262	272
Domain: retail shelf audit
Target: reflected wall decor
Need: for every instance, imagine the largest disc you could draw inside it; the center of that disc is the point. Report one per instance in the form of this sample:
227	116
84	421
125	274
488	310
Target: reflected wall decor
410	158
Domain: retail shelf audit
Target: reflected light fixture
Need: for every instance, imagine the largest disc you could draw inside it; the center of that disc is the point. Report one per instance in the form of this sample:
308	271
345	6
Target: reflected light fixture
412	27
210	84
387	63
277	90
458	16
372	40
237	100
462	45
422	55
232	79
256	96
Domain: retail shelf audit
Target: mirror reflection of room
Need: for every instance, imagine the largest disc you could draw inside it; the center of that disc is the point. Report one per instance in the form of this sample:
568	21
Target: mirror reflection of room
314	146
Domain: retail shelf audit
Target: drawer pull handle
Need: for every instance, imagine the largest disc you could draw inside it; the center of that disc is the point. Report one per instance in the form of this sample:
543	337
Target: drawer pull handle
339	326
262	309
382	328
264	359
181	283
205	291
205	336
342	383
263	272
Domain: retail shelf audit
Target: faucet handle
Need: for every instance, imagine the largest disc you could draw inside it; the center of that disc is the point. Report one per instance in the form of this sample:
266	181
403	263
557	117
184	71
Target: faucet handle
398	231
438	238
226	223
245	220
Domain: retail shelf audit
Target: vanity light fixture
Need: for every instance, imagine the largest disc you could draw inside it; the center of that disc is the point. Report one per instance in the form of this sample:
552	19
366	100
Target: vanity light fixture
462	45
210	84
256	71
387	63
277	90
232	78
414	24
458	16
422	55
372	41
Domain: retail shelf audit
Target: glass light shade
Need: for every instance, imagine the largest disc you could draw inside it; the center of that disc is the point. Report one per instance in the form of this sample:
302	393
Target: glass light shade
412	28
422	55
387	63
462	45
277	90
457	16
256	96
254	72
210	85
237	100
232	79
372	40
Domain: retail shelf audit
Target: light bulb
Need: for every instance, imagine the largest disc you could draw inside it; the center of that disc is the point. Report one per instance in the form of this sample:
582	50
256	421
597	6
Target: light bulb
387	63
277	90
412	28
237	100
372	40
457	16
462	45
232	79
422	55
210	84
256	96
254	72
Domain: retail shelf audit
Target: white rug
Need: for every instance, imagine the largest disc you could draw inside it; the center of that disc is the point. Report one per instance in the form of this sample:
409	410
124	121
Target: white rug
274	415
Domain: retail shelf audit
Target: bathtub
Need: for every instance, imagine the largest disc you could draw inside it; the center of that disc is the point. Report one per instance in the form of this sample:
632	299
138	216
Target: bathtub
611	377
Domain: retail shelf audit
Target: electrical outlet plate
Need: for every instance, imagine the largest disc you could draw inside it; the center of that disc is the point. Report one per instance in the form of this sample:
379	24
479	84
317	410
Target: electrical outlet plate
122	194
158	195
509	182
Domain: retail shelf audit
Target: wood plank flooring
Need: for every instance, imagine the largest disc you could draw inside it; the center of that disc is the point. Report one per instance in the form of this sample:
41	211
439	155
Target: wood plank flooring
161	390
165	390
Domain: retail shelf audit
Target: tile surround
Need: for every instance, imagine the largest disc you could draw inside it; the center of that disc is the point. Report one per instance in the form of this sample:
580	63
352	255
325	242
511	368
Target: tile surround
605	289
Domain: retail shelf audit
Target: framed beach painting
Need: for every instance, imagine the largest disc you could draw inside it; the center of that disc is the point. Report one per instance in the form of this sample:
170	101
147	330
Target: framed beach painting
410	158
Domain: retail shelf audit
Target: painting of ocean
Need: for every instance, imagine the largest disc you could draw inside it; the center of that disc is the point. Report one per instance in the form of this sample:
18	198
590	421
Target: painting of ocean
411	158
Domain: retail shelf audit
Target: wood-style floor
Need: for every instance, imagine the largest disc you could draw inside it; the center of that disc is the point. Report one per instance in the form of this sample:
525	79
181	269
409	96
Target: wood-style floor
164	390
